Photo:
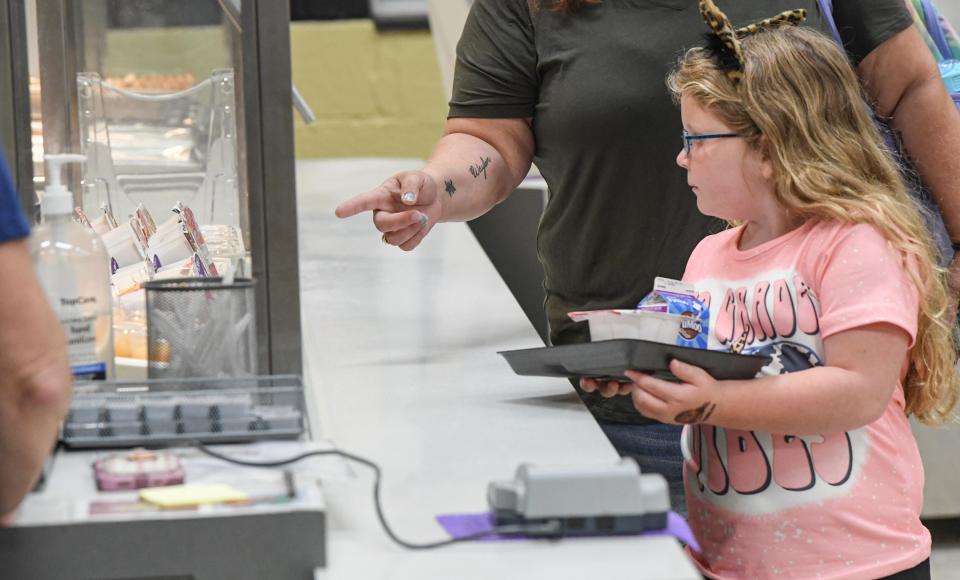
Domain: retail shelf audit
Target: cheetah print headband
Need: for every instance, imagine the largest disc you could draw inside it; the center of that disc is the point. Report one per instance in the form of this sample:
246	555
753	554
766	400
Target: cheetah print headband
724	43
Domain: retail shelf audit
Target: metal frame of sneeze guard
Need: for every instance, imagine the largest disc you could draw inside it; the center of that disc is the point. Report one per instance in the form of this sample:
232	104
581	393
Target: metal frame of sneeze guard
73	37
161	412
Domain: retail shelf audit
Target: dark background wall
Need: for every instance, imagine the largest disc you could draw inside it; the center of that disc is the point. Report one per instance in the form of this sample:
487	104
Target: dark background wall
328	9
155	13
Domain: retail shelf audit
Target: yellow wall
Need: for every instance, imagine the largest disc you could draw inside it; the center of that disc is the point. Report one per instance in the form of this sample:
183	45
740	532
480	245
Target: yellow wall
374	94
197	50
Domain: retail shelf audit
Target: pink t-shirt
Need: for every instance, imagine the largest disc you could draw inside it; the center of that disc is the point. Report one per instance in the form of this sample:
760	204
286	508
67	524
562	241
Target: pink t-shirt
828	505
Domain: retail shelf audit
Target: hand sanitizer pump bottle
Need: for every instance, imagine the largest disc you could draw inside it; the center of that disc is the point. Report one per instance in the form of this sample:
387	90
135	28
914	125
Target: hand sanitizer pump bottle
73	267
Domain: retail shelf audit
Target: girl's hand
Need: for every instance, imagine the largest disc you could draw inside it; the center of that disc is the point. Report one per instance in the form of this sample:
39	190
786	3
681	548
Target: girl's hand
693	400
606	389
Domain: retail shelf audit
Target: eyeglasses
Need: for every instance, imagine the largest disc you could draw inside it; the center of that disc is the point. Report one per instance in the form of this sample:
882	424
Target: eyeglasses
688	138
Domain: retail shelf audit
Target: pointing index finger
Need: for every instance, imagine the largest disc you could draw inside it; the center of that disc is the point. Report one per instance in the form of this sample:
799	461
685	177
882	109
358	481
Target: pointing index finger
378	198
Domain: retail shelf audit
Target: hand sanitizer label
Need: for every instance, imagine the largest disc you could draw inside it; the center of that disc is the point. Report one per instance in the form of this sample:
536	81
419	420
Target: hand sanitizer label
82	326
92	372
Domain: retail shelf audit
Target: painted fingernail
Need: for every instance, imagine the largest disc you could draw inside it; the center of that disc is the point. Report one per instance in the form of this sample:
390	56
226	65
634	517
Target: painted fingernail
423	220
409	197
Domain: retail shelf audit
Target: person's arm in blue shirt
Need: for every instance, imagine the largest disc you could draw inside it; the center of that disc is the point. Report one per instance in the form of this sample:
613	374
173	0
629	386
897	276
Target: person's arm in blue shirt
34	375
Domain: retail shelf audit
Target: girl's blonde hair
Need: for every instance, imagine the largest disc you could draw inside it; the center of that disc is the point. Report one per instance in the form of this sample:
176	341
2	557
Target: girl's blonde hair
800	103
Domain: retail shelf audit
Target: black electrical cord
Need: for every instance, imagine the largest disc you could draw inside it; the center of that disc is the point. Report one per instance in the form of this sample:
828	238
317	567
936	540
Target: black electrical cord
548	529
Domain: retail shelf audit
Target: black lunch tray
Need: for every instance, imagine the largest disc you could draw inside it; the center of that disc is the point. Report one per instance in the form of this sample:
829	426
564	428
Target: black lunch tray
607	359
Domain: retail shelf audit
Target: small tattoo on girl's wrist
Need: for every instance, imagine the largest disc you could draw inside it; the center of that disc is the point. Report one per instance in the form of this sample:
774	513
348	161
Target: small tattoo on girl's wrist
449	187
698	415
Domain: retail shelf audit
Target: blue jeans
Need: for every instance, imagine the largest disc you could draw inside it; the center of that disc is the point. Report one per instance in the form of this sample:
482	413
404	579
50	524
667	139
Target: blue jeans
656	447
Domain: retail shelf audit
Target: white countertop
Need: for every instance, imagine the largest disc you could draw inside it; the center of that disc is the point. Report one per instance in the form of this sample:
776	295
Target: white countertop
401	357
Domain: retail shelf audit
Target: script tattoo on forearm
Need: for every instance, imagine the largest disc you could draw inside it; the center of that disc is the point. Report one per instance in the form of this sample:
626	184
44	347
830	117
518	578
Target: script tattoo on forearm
449	187
698	415
480	168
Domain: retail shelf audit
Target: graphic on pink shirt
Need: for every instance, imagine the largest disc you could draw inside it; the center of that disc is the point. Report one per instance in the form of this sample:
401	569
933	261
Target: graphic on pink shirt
780	318
776	311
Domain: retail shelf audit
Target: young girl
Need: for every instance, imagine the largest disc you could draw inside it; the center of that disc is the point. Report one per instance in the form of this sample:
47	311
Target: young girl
812	470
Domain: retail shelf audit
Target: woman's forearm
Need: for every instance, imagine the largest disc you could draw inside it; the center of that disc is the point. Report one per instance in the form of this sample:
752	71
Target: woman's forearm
930	125
903	80
478	163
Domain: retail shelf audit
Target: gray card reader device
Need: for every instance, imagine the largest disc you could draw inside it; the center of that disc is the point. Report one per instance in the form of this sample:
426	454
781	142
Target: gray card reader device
596	499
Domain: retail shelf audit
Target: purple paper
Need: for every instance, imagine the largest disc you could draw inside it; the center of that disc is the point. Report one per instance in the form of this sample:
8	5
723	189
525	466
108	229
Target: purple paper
461	525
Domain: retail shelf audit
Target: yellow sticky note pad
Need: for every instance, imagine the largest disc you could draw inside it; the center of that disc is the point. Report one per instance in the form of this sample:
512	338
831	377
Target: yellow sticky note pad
175	496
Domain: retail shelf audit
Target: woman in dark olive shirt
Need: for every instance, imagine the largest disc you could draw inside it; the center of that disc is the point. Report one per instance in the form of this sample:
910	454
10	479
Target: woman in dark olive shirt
578	88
